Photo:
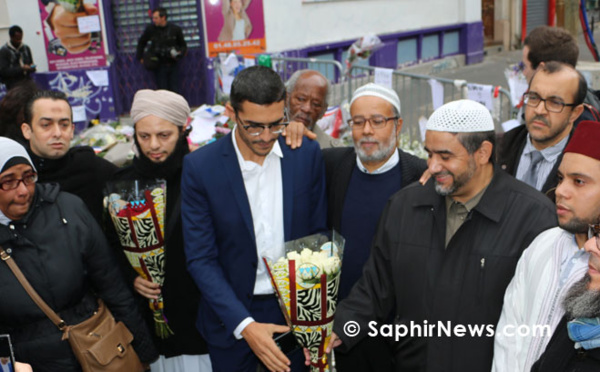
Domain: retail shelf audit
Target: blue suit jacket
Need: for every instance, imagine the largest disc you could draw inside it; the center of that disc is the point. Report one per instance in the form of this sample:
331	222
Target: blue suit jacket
220	245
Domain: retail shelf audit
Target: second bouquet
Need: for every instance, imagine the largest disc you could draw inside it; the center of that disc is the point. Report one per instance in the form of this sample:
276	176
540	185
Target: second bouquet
306	281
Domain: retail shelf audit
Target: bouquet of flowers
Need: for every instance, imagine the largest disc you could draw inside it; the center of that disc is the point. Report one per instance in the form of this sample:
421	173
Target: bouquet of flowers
137	210
306	281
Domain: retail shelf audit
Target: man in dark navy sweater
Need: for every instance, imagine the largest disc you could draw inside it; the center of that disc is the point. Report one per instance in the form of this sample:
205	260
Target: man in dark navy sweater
360	180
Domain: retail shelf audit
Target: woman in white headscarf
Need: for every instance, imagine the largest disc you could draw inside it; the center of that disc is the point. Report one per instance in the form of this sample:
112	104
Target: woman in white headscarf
64	255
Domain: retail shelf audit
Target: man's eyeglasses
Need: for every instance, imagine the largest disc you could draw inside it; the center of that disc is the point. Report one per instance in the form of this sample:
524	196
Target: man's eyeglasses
594	232
27	180
255	129
376	121
552	104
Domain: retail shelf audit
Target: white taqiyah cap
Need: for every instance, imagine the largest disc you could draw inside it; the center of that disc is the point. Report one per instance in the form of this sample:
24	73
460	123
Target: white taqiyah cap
462	116
377	90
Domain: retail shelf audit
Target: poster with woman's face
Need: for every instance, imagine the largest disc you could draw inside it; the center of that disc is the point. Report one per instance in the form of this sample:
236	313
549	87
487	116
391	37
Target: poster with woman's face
234	26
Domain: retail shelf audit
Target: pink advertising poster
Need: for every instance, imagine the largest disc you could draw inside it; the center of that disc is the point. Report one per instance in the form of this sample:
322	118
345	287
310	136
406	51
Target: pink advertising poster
234	26
73	34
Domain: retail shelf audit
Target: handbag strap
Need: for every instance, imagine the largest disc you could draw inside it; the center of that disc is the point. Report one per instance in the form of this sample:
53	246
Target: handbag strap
32	293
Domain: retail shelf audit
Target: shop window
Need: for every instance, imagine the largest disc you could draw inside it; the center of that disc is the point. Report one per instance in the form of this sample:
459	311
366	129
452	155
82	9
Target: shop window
430	47
451	43
406	51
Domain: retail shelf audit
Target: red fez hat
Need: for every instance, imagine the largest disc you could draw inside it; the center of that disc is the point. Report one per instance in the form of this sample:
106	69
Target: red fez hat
585	140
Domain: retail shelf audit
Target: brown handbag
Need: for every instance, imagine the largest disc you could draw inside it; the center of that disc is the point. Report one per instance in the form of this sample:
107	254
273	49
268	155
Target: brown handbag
99	343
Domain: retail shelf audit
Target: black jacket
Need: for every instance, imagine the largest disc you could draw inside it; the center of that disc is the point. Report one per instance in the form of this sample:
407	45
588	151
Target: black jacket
64	255
162	40
180	294
79	172
339	164
561	356
10	68
409	270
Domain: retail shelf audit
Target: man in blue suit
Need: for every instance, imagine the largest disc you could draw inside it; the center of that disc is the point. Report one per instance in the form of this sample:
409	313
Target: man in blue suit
242	198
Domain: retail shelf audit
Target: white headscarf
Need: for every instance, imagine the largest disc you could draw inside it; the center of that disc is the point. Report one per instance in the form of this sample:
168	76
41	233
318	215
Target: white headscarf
11	154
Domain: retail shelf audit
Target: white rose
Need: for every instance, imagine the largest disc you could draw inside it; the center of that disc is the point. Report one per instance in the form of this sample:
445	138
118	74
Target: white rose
332	265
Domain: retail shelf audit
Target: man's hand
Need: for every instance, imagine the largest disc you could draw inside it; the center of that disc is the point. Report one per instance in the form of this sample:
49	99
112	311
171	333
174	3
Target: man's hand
22	367
27	68
146	288
67	31
425	177
259	337
294	132
334	342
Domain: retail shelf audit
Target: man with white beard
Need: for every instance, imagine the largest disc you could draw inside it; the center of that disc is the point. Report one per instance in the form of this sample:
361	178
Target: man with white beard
575	345
360	180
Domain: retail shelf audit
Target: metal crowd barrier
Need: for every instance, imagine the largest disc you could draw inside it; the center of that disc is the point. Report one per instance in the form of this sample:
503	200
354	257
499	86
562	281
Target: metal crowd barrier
416	98
414	90
286	66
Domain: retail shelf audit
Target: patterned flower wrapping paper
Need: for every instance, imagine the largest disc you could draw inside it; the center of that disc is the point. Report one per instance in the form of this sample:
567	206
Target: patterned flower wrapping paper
307	282
137	210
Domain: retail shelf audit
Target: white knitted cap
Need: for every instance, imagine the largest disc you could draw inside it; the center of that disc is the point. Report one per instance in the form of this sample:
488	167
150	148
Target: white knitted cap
462	116
377	90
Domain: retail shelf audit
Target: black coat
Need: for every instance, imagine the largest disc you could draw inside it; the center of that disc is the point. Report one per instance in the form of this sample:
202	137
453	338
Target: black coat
79	172
11	72
163	39
63	253
561	356
180	294
339	164
409	270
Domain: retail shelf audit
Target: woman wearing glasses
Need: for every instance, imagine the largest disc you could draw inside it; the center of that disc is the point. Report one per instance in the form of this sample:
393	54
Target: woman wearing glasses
57	244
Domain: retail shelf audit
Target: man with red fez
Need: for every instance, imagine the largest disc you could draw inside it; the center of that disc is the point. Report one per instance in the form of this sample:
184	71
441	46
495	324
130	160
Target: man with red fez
555	260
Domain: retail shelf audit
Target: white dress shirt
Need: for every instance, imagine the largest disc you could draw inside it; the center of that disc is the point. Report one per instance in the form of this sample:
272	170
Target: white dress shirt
264	189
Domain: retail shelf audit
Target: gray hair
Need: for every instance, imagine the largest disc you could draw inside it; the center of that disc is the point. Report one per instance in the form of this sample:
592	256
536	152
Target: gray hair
290	85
